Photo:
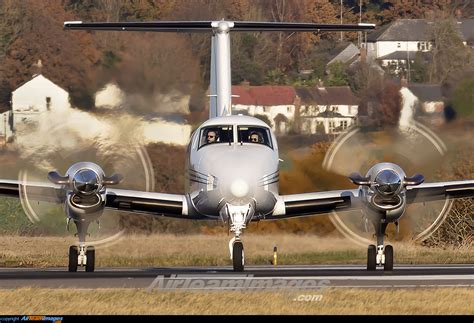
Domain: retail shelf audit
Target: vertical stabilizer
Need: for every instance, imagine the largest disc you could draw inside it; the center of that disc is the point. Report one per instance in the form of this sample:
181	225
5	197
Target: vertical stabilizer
213	82
220	69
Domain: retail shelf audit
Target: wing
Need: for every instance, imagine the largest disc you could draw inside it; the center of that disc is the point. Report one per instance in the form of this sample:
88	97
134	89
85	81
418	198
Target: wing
157	204
171	205
440	191
317	203
44	192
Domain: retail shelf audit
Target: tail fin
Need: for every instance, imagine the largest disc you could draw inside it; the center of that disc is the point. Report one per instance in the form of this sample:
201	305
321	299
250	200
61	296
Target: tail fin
220	83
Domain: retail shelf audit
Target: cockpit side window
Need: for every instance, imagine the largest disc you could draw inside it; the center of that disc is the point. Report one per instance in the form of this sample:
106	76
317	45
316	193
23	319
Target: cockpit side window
255	135
216	135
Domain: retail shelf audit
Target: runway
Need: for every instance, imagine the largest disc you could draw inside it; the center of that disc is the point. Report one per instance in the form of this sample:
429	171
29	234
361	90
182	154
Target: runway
253	278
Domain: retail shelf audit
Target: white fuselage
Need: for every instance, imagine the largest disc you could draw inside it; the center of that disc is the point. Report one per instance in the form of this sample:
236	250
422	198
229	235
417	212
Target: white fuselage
232	170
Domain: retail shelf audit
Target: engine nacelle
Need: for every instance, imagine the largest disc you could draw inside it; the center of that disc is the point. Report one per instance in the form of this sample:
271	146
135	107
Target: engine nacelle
85	184
384	186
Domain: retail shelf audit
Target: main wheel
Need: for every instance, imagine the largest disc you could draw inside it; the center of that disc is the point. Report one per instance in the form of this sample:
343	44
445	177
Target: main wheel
388	265
371	257
72	258
90	254
238	256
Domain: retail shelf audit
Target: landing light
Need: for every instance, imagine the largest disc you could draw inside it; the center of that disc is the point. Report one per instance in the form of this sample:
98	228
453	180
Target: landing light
239	188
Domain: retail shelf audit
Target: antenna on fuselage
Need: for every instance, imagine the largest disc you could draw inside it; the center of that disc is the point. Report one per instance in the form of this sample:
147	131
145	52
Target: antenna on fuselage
220	83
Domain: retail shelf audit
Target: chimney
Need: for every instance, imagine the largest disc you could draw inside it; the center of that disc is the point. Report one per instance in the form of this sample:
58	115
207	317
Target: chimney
37	67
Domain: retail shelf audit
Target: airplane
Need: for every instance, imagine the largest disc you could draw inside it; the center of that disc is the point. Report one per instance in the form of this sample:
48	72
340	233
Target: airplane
233	167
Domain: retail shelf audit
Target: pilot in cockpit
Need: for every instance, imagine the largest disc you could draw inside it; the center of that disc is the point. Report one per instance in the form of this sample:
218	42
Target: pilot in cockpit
255	137
211	136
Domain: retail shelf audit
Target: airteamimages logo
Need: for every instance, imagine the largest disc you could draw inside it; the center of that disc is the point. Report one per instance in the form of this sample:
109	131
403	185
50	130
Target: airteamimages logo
245	282
41	318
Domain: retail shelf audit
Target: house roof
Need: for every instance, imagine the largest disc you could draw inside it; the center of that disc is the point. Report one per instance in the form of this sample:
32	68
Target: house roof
400	55
346	55
306	94
330	114
402	30
286	95
335	95
427	92
38	77
416	30
263	95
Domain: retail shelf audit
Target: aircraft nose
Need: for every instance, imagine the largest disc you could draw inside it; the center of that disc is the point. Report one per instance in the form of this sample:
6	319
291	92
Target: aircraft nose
239	188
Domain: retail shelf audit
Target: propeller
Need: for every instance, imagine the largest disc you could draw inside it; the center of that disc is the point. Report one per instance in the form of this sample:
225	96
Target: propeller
44	154
416	150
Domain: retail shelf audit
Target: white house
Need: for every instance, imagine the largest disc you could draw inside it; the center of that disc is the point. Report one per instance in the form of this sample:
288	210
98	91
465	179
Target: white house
397	43
303	109
35	97
328	110
277	103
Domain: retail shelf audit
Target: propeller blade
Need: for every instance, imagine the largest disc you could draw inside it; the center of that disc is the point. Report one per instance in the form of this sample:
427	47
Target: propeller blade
357	179
416	179
112	180
55	178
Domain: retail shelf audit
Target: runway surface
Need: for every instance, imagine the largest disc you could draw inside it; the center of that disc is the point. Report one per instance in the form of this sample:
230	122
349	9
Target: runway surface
254	277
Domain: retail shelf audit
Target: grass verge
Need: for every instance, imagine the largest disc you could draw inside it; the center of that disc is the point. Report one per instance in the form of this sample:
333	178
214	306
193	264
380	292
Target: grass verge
212	250
430	301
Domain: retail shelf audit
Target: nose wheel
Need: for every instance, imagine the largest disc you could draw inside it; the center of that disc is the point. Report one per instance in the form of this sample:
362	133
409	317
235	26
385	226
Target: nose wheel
380	256
371	258
81	257
238	260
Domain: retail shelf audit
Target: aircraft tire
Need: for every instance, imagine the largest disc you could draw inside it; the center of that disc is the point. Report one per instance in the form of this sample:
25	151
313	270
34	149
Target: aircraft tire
388	265
90	254
371	257
238	256
72	266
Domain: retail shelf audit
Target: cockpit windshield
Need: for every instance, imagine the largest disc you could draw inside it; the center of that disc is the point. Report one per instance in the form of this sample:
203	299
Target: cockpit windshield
255	135
216	135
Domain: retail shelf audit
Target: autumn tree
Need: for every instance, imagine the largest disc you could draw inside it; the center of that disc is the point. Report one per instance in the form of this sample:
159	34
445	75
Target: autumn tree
449	55
381	102
68	59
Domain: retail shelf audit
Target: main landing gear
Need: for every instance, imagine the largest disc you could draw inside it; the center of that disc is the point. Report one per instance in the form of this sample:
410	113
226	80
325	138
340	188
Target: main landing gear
380	255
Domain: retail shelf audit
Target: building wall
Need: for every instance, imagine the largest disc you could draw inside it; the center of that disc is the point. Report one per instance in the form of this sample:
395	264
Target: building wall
387	47
270	111
325	125
35	97
309	119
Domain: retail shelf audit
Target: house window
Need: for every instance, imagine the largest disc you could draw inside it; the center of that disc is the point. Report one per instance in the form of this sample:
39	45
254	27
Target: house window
48	103
344	124
423	46
288	109
331	126
399	45
265	109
